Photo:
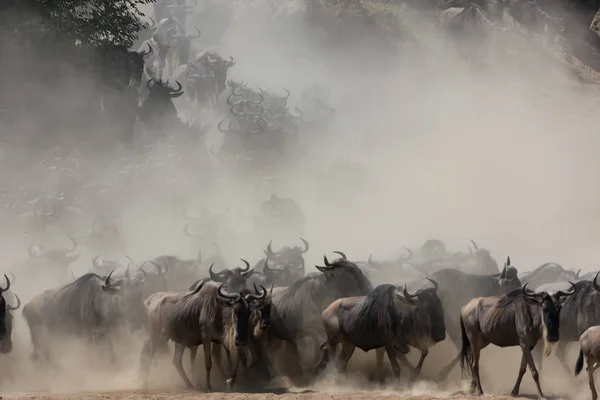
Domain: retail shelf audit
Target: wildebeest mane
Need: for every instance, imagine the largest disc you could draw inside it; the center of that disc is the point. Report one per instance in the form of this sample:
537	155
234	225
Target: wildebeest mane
508	298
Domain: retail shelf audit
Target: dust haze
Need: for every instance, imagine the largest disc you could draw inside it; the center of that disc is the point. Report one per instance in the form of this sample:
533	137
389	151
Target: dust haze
504	155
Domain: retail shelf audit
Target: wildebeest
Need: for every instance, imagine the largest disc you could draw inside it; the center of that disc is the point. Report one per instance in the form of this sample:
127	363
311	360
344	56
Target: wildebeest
547	273
590	350
519	318
280	217
202	316
578	313
234	279
533	19
54	259
296	312
284	266
457	288
90	308
169	32
386	319
179	273
476	261
6	319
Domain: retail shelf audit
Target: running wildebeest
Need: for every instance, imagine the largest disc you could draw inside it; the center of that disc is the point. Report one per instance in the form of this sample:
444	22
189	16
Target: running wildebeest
386	319
519	318
6	319
457	288
90	307
578	313
285	266
201	316
296	312
590	350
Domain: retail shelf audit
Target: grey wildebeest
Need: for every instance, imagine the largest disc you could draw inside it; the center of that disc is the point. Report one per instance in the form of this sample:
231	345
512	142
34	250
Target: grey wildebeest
296	312
6	319
590	351
457	288
284	266
547	273
578	313
533	19
476	261
90	308
387	320
519	318
201	316
52	261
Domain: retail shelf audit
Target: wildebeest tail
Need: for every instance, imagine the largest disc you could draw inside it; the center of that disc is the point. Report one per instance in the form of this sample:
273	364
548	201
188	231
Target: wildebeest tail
465	348
579	364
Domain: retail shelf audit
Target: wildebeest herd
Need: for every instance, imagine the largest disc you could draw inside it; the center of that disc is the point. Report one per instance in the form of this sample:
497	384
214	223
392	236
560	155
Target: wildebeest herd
250	312
250	315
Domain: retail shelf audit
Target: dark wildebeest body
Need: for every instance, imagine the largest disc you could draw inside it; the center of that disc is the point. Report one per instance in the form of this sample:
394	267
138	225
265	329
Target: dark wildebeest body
590	350
384	320
6	319
90	308
296	312
578	313
519	318
457	288
477	261
202	316
180	273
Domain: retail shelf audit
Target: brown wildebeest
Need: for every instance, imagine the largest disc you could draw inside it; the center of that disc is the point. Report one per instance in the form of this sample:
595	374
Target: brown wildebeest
202	316
590	349
519	318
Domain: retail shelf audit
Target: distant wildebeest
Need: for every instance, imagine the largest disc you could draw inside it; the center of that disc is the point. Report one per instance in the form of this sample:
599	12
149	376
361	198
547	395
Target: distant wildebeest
386	319
400	270
548	273
52	261
6	319
285	266
202	316
179	273
519	318
457	288
477	261
590	351
533	19
91	308
296	312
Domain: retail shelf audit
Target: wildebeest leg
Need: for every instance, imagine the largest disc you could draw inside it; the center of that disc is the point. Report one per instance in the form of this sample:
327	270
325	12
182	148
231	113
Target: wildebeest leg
233	374
178	362
417	370
193	353
345	355
391	353
453	330
561	353
592	365
379	353
534	372
207	361
476	354
216	354
148	351
445	371
515	390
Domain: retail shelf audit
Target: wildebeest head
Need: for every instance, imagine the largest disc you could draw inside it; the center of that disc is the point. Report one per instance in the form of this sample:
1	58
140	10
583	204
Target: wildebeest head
289	257
102	267
59	256
508	278
482	257
105	226
6	319
432	304
347	275
204	225
159	106
185	46
262	303
219	66
135	66
235	279
550	312
241	311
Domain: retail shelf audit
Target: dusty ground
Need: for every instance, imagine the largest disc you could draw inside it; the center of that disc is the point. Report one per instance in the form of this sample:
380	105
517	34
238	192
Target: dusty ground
150	395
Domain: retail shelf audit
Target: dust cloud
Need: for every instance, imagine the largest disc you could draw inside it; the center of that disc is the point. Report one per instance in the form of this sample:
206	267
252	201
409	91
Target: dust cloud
505	155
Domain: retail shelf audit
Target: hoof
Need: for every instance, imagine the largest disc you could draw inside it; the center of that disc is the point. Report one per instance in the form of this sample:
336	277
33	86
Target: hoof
229	385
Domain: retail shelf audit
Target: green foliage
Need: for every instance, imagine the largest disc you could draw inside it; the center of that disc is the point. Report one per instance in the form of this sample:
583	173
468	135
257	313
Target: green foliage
88	23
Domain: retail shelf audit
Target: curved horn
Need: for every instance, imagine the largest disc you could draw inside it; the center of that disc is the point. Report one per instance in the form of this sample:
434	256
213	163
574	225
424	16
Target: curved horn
143	273
7	284
595	282
188	232
407	295
341	254
475	247
215	276
198	35
570	292
11	308
179	87
131	262
150	51
247	265
74	244
435	284
12	277
259	297
234	296
150	83
107	279
410	255
286	98
152	26
326	261
306	245
270	251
